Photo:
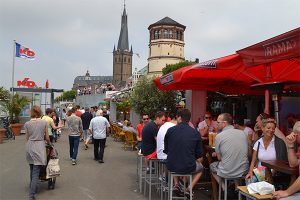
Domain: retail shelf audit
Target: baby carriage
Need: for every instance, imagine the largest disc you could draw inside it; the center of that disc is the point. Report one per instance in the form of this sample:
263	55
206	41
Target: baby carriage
51	170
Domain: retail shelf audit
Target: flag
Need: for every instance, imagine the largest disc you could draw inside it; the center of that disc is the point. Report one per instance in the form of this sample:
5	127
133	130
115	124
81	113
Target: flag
24	52
47	84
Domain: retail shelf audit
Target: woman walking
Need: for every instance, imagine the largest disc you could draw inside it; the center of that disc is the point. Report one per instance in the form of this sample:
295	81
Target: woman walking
36	131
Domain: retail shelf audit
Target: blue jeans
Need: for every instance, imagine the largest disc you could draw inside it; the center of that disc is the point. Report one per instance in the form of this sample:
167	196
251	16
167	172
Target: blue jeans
34	178
74	143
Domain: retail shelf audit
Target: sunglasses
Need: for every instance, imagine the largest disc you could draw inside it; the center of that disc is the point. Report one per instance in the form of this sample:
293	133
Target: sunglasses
145	118
208	117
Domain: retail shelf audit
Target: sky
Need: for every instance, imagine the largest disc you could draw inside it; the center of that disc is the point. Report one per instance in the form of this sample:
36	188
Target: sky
70	37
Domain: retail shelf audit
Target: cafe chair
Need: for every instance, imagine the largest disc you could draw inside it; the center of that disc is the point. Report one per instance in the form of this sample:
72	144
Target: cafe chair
130	140
141	170
151	176
171	178
226	180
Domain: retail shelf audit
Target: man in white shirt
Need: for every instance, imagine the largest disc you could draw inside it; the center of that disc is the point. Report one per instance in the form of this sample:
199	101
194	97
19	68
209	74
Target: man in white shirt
98	127
160	144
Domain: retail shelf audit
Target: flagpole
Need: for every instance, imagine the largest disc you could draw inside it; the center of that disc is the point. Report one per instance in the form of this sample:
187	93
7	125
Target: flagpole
13	69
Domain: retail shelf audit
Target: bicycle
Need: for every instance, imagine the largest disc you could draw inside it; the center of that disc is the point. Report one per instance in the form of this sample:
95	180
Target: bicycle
4	122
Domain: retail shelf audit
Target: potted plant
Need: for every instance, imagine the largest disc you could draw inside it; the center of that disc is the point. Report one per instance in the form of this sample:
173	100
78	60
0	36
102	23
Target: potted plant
14	107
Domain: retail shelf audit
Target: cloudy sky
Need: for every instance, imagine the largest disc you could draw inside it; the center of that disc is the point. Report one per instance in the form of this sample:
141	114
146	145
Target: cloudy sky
73	36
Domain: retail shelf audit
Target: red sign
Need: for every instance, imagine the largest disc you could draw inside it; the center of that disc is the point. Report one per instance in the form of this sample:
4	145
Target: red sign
27	83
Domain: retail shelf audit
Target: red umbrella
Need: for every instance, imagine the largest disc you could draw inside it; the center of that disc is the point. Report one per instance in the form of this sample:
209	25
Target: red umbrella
221	74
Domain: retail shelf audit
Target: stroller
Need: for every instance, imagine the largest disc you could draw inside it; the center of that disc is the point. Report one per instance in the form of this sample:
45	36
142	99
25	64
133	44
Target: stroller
51	154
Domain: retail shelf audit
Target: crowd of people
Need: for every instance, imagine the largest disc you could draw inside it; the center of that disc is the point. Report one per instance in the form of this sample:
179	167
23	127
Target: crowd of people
171	137
238	148
93	124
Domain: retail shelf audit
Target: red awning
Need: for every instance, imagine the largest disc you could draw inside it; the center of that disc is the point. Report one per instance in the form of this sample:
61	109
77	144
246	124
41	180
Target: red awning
221	74
281	47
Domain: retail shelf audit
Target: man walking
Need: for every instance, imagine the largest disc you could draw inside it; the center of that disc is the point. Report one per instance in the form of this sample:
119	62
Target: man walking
184	149
75	132
86	118
98	127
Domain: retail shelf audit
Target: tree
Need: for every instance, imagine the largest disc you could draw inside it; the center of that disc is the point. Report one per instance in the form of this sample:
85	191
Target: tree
146	98
67	96
173	67
15	106
4	95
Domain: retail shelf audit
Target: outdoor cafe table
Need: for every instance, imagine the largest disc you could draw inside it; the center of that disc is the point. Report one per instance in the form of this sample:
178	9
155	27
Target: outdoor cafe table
280	166
243	191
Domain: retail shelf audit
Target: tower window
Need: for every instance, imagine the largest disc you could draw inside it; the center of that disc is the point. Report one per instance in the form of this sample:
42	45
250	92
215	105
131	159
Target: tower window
125	59
116	59
166	34
119	59
129	60
156	34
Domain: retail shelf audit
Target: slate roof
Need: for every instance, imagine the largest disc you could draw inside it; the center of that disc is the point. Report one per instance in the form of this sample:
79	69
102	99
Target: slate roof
166	21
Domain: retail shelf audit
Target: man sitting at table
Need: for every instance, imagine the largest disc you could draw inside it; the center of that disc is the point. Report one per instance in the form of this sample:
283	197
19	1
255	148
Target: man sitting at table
149	134
231	149
206	126
294	161
183	146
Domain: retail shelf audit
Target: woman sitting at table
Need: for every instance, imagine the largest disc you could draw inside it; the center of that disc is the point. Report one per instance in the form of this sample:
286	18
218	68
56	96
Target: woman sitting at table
258	127
292	140
269	147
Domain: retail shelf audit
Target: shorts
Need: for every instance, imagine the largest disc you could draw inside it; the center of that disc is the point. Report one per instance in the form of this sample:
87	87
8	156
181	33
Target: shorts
199	168
152	155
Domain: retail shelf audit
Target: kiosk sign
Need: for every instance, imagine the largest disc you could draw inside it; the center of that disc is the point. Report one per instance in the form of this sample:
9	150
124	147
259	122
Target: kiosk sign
27	83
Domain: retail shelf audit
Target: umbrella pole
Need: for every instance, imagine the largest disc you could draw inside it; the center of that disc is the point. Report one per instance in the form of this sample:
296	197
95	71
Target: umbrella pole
267	102
276	107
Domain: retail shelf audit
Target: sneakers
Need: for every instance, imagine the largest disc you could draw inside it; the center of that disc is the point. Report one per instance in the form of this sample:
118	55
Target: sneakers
73	162
86	147
187	194
101	161
177	190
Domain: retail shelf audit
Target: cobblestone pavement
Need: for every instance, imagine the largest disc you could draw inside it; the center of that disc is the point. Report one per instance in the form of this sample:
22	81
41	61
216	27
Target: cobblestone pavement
114	179
88	180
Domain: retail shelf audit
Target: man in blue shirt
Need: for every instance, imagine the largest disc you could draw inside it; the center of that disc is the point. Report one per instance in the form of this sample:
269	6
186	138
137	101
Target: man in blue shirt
184	149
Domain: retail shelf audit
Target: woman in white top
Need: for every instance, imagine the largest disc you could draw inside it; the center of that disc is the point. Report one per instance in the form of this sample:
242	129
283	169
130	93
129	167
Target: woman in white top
269	147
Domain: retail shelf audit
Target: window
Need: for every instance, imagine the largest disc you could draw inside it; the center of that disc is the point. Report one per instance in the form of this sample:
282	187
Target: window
156	34
129	60
170	34
166	34
124	59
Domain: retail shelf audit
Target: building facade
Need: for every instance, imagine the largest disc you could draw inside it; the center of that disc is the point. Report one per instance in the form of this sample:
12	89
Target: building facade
87	85
122	56
166	44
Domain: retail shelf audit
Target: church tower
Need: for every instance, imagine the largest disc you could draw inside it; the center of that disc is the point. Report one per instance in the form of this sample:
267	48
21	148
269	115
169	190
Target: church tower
166	44
122	56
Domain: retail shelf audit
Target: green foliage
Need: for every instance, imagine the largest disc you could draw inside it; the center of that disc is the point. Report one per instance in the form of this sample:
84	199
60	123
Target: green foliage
146	98
123	106
173	67
4	95
15	106
67	96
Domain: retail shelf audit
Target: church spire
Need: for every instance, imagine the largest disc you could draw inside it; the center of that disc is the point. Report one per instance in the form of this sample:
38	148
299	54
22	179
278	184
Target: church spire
123	43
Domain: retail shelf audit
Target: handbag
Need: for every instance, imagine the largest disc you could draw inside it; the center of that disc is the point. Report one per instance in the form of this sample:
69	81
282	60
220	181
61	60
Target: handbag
53	169
259	172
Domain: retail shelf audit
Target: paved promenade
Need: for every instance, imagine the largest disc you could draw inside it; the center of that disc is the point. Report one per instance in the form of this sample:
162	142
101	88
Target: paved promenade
114	179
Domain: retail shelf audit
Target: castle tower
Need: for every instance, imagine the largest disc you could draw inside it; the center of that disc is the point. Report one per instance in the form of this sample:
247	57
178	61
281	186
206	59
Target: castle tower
166	44
122	56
